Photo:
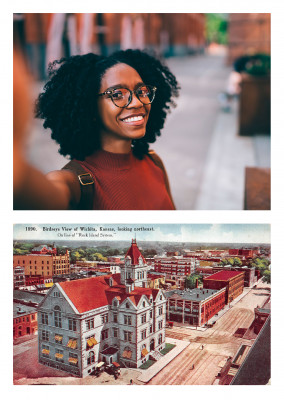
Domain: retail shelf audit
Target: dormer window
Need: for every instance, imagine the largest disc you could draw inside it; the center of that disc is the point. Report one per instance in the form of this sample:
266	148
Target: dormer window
144	304
127	305
115	303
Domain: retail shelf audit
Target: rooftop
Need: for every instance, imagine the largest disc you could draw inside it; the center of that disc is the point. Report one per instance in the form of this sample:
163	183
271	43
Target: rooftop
196	294
24	310
27	296
134	253
91	293
223	275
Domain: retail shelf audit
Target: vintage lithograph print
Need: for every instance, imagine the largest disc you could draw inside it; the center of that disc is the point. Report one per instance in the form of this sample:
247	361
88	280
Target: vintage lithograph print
161	304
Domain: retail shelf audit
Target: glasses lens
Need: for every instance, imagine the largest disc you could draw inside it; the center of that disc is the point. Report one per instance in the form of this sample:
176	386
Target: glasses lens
120	97
146	94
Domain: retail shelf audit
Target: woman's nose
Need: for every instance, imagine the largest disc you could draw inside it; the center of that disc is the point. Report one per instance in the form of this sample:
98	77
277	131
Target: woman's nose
135	102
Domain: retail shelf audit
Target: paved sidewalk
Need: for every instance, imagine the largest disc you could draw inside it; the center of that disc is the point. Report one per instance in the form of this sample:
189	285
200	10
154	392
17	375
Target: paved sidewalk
149	373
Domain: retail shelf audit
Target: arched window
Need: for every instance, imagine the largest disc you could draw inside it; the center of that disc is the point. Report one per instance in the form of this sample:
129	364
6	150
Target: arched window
57	317
91	358
160	339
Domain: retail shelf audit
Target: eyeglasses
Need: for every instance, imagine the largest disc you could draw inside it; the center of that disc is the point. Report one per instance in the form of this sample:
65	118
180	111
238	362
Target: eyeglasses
122	97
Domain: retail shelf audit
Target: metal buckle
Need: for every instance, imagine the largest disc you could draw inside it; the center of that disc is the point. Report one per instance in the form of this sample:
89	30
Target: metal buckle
87	183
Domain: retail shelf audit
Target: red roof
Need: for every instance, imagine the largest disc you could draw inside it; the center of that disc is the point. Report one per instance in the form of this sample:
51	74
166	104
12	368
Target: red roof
223	275
91	293
134	253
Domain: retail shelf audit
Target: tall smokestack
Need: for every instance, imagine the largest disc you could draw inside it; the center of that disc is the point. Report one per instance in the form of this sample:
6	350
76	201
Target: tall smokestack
196	283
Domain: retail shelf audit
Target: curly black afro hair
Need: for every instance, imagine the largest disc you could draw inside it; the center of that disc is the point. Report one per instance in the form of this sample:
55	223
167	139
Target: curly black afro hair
68	103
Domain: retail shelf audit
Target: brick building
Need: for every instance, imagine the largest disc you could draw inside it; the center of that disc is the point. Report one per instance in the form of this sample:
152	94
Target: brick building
250	277
195	306
44	264
233	281
176	265
25	312
248	33
19	277
112	318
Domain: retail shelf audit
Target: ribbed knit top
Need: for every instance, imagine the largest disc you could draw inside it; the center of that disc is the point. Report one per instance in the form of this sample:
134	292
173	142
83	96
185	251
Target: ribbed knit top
123	182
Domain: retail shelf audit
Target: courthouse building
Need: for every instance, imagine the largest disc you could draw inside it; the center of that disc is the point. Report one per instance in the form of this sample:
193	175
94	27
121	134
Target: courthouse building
111	318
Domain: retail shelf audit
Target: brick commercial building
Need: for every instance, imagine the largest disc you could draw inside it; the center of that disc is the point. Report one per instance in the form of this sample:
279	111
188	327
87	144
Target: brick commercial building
25	313
250	277
45	264
176	265
233	281
195	306
112	318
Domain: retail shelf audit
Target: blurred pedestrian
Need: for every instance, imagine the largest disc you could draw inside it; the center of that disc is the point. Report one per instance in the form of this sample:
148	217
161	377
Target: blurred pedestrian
104	112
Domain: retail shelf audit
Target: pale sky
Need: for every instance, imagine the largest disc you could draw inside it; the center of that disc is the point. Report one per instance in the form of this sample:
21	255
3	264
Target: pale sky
213	233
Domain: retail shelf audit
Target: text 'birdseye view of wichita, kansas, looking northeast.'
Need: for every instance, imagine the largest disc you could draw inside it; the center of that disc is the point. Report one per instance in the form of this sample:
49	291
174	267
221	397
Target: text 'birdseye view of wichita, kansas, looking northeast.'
130	304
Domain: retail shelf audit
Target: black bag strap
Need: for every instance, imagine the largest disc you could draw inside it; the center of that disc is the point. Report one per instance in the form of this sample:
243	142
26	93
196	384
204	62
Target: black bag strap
86	183
157	161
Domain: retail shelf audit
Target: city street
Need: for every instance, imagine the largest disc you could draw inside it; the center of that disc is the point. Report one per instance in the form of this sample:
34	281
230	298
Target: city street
196	143
219	344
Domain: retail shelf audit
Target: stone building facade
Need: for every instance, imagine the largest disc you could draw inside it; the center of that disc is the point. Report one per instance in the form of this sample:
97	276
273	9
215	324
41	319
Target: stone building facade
111	318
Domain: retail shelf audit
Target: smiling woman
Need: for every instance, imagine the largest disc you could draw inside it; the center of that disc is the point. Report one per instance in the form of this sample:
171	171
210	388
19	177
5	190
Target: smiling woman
104	112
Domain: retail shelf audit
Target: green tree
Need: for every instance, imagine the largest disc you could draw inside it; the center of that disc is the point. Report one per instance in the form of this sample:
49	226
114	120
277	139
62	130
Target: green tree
267	276
190	281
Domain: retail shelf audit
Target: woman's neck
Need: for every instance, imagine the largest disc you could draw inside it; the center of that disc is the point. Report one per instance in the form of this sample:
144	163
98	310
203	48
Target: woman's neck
116	145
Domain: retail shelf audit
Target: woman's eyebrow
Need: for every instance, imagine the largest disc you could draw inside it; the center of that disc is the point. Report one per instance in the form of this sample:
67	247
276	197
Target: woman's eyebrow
124	85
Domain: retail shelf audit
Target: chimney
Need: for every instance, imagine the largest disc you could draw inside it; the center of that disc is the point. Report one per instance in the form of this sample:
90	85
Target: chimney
196	283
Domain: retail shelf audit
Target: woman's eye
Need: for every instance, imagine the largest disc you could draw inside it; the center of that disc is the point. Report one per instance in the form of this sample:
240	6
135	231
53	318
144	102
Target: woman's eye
144	92
118	94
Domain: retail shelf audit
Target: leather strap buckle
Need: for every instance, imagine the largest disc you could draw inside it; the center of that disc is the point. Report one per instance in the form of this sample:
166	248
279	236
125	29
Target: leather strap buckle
86	179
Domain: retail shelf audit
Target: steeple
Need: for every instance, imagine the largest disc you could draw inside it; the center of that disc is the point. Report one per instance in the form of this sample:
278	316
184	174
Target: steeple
135	267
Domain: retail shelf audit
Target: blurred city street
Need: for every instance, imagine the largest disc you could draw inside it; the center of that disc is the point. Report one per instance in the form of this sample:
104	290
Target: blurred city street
203	154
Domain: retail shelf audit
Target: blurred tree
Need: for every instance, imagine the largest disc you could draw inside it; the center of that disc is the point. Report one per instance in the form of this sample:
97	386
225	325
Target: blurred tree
216	28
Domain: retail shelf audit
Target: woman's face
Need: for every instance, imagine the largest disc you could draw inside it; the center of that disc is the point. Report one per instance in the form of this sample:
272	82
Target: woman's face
122	123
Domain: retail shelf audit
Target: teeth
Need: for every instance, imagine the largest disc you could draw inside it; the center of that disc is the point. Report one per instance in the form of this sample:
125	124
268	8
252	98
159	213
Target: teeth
132	119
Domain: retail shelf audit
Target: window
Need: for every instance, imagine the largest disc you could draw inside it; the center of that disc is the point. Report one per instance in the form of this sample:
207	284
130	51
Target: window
127	320
59	355
160	324
45	350
104	334
161	310
72	324
127	336
143	318
58	338
73	359
144	304
114	317
151	313
160	339
45	335
161	297
91	358
115	332
151	329
127	305
57	317
104	318
143	334
89	324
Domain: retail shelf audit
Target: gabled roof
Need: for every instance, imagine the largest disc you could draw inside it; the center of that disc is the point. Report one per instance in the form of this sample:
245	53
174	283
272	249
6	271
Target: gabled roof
91	293
134	253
